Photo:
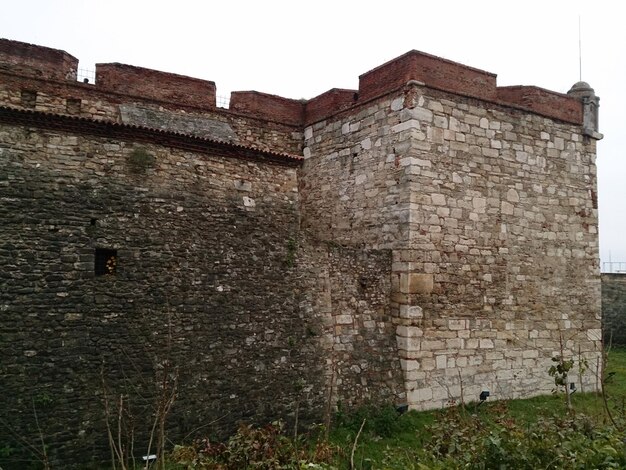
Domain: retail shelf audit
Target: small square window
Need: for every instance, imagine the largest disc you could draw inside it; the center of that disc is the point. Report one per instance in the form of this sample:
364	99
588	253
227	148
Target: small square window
29	98
105	261
72	105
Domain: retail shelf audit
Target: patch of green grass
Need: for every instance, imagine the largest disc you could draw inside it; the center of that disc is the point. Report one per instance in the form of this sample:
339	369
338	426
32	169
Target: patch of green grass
397	444
518	434
616	368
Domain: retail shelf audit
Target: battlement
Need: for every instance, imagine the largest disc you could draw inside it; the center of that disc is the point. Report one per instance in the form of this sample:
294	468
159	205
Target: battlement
432	71
266	106
154	84
542	101
425	69
414	66
37	61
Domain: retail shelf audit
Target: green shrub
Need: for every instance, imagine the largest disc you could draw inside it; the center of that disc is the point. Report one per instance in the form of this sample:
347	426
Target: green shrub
555	442
381	421
266	448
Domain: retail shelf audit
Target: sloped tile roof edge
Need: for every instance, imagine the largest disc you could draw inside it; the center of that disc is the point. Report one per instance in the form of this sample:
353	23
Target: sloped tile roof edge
104	128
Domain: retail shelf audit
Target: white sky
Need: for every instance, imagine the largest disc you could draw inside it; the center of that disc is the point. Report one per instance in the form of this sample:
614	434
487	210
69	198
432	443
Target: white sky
300	49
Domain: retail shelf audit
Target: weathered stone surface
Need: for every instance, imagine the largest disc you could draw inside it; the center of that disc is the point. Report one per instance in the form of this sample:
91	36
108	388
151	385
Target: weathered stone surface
614	308
188	124
488	214
427	242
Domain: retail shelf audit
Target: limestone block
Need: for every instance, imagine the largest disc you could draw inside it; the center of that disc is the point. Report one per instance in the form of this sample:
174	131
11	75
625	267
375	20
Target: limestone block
403	126
475	360
397	103
73	316
345	319
438	199
416	283
479	204
420	114
594	334
411	312
512	195
435	106
471	120
408	343
308	133
420	394
441	361
559	143
432	345
454	343
440	122
458	324
529	354
494	355
409	331
438	135
489	152
507	208
409	364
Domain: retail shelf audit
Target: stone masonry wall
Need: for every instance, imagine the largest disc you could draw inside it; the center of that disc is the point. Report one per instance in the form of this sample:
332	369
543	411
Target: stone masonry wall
503	252
349	289
202	283
437	238
614	308
214	286
491	216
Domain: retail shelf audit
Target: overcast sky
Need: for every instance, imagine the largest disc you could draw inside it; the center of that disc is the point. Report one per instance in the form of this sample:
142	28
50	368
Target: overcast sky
300	49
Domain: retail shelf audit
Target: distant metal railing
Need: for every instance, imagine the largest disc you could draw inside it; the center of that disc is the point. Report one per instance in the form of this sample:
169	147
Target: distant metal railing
614	267
86	76
222	101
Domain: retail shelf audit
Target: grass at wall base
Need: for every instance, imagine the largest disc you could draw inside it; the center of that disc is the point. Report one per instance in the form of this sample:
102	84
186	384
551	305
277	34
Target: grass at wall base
516	434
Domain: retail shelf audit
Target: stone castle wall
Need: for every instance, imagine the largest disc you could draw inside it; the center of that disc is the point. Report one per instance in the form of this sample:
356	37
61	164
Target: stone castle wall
492	218
614	308
416	241
213	278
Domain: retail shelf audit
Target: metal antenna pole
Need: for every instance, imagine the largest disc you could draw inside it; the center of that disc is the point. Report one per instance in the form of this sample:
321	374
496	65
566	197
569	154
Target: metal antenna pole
580	53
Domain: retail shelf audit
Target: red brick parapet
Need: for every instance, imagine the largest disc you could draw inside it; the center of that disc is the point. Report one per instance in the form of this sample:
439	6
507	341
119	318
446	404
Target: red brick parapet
328	103
24	59
37	61
430	70
545	102
266	106
154	84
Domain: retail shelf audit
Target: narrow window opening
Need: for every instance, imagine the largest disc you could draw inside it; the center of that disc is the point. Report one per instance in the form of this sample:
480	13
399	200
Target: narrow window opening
105	261
93	221
72	105
29	98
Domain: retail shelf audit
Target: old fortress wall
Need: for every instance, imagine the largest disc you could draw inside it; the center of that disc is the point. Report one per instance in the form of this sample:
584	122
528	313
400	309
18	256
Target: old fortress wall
425	236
